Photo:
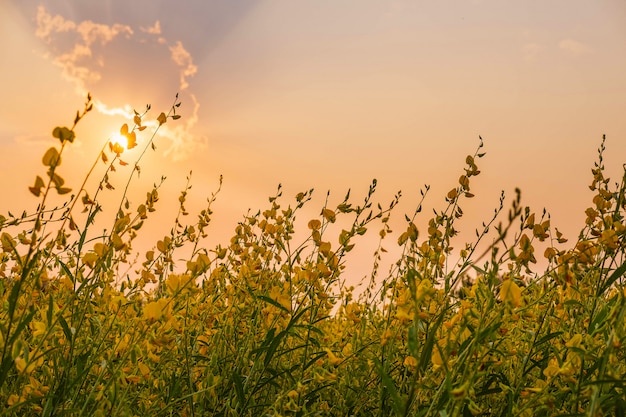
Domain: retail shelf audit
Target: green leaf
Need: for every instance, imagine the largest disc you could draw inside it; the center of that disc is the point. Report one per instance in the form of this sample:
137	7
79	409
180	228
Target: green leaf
56	179
413	350
611	280
50	311
547	338
239	388
427	350
21	326
63	134
396	401
36	189
272	302
51	158
66	328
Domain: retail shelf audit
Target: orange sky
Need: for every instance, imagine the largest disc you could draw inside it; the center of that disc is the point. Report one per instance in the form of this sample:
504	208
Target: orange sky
324	95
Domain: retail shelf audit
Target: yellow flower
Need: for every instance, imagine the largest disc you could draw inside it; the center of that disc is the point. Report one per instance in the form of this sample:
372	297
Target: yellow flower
575	341
403	314
436	358
388	334
332	358
38	328
410	362
145	371
154	310
609	239
511	292
552	369
276	293
13	399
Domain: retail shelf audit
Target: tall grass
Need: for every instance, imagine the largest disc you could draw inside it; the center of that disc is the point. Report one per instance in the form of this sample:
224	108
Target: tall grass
265	323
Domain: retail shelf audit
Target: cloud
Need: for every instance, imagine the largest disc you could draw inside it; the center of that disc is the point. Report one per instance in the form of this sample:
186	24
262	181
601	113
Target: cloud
155	30
573	47
116	61
182	58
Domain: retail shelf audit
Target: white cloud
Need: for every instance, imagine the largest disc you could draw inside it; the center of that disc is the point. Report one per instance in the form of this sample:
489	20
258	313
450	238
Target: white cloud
183	59
155	30
573	47
74	58
115	61
47	24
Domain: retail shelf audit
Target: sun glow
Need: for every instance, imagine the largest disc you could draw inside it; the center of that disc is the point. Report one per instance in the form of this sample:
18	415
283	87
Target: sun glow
119	140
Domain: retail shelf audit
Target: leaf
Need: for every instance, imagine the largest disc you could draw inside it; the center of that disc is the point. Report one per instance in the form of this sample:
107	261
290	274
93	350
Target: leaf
238	386
344	237
72	224
51	157
63	134
397	402
36	189
66	328
412	342
21	325
104	157
57	180
176	117
117	241
611	280
273	302
131	140
162	119
329	215
314	224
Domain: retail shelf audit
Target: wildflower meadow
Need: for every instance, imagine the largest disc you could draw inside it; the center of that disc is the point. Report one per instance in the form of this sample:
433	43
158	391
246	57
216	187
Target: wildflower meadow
265	324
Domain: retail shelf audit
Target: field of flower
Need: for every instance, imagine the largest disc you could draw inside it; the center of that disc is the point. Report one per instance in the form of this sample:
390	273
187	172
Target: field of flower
265	325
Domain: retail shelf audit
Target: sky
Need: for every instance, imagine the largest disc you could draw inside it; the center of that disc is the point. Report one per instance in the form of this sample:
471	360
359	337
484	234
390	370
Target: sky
323	94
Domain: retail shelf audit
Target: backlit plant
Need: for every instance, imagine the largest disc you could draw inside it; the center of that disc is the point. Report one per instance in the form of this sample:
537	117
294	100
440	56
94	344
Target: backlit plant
266	324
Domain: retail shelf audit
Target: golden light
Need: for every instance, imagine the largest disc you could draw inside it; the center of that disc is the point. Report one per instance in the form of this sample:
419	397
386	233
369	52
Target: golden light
120	140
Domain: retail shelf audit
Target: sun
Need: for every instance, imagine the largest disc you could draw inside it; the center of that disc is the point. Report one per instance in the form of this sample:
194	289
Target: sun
119	140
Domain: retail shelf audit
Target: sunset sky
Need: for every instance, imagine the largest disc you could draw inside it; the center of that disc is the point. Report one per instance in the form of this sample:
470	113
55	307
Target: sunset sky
323	94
